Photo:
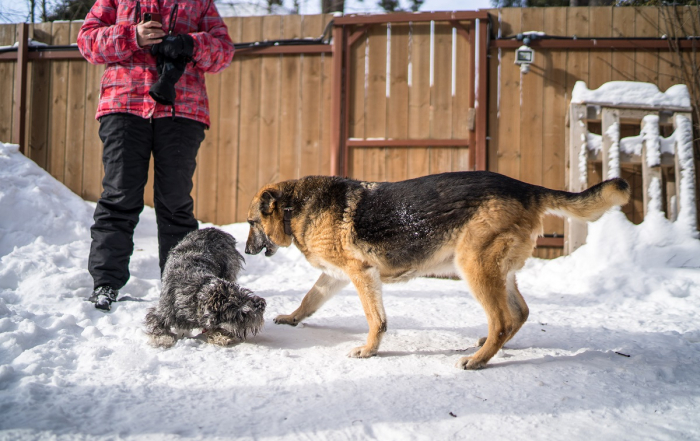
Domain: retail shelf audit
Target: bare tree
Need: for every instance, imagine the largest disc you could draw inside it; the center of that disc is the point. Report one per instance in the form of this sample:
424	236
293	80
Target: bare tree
680	22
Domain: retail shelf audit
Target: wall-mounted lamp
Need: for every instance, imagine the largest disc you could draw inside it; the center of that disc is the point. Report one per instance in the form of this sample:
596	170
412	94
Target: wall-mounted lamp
525	55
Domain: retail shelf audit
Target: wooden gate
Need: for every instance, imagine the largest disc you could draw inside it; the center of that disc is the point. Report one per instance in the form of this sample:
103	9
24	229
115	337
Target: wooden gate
410	104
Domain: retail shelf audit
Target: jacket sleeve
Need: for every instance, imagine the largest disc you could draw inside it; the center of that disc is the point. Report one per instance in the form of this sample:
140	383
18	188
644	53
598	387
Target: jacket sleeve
213	48
101	40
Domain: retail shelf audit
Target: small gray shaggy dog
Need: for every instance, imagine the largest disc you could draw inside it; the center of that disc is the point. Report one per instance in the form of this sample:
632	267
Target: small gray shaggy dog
200	292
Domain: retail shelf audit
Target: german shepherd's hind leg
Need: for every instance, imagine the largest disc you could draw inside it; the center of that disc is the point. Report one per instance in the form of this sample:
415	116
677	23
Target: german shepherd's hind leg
482	267
369	289
519	310
325	287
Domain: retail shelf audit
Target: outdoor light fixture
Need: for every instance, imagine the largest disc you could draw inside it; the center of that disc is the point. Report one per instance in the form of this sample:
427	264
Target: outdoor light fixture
525	55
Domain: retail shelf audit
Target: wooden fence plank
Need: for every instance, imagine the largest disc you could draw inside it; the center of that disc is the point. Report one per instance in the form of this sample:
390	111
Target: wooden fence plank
441	98
75	123
228	128
600	62
290	119
509	120
93	170
669	71
532	107
206	197
38	94
647	61
269	159
555	105
623	62
494	95
326	114
58	108
375	110
250	118
397	103
356	97
312	26
460	101
419	98
7	84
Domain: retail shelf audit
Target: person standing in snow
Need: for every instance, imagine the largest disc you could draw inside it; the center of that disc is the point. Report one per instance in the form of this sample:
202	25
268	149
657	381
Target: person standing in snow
153	100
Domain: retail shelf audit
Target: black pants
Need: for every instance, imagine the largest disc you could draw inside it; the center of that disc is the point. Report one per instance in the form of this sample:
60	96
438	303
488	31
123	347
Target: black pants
128	143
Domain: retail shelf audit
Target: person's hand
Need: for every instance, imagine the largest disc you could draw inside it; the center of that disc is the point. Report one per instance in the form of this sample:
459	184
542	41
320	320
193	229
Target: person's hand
149	33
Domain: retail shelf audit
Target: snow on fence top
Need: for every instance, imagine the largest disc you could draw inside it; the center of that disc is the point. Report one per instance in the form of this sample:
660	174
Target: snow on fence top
632	94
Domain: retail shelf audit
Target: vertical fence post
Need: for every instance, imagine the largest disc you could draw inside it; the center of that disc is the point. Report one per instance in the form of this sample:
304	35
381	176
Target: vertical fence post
20	106
472	95
482	96
337	101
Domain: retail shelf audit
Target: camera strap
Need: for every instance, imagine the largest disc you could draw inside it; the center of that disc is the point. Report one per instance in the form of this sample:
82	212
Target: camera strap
137	12
173	19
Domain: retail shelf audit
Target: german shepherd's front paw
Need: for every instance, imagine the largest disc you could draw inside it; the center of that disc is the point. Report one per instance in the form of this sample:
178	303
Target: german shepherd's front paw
362	352
286	320
470	364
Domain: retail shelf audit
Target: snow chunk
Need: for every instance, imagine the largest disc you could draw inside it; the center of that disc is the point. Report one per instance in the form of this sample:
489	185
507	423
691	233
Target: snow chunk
650	132
613	133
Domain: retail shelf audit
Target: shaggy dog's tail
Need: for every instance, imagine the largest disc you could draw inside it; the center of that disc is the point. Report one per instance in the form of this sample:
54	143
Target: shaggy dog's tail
590	204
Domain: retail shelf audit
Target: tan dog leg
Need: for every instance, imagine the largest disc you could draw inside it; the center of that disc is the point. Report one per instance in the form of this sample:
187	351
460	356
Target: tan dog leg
516	305
369	288
482	268
324	288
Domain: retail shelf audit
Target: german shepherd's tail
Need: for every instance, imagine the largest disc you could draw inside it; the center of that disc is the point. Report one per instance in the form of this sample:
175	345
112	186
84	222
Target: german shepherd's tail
590	204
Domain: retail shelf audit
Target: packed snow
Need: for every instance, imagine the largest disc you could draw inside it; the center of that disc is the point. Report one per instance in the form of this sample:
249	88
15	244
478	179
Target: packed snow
611	349
632	93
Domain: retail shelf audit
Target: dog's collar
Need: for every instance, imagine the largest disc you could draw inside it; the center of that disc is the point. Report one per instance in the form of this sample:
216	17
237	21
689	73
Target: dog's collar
287	221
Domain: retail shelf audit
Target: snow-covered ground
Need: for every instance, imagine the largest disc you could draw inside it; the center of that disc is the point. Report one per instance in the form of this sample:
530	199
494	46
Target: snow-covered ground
611	349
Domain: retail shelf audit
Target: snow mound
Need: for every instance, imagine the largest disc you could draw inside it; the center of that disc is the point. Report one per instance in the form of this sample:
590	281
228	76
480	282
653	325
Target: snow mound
36	207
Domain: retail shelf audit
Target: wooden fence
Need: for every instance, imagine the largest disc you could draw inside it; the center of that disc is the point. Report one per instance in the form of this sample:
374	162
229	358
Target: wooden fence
271	115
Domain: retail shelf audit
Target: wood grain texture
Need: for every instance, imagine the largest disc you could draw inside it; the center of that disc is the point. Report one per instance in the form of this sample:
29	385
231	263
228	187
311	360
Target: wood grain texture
75	118
375	109
58	108
419	98
312	27
228	128
248	167
508	155
397	103
441	98
290	104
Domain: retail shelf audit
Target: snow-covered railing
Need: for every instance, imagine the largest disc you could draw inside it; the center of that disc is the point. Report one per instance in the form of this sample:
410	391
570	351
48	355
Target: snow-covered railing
619	102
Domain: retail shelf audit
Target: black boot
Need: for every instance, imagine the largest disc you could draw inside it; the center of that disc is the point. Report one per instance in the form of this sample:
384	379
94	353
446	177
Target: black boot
103	296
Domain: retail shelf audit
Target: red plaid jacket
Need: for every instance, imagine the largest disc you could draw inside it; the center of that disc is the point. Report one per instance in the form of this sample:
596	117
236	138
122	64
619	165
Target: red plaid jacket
108	36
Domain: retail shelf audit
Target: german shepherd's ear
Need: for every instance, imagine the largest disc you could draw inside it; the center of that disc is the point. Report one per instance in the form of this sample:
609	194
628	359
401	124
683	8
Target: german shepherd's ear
268	201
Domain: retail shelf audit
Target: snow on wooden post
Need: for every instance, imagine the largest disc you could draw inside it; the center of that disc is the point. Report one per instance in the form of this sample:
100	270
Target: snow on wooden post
651	164
575	231
685	171
626	102
611	143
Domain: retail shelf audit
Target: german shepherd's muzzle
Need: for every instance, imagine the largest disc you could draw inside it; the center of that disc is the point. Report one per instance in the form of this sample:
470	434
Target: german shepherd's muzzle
257	240
480	225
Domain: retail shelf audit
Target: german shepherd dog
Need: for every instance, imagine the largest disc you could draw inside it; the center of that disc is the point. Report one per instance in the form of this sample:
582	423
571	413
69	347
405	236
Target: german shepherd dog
480	225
